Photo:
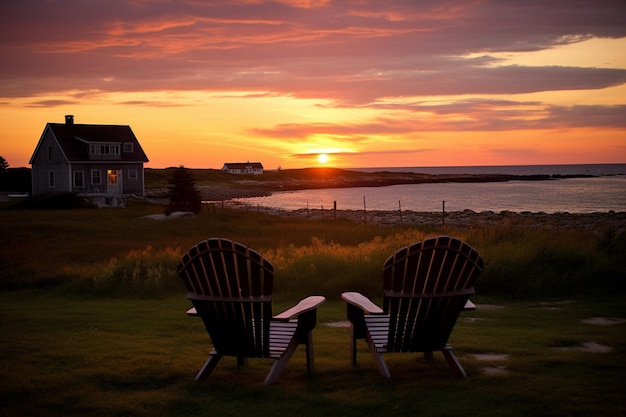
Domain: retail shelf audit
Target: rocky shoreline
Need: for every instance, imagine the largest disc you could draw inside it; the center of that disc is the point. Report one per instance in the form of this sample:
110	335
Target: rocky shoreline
594	222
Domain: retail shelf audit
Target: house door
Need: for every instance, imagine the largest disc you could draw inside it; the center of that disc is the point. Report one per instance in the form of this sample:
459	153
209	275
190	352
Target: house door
114	181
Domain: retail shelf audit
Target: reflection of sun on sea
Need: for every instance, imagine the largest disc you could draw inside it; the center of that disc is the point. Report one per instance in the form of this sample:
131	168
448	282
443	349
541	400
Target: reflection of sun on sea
322	158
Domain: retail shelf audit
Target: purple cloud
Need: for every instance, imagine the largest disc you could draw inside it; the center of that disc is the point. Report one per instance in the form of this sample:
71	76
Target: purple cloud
352	53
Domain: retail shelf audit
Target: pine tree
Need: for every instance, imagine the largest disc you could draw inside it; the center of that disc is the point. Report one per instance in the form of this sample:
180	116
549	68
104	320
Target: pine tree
4	165
4	174
183	195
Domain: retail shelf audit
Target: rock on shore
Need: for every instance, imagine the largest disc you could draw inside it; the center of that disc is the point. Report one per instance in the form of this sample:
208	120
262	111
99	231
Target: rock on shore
595	222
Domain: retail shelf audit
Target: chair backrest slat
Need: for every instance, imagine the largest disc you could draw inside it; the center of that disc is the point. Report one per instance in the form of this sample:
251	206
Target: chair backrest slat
426	286
231	287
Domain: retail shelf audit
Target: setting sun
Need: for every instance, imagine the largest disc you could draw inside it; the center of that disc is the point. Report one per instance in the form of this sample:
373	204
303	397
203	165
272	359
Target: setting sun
322	158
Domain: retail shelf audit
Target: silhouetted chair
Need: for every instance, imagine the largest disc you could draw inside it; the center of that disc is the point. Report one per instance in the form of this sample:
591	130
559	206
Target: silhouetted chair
426	286
230	286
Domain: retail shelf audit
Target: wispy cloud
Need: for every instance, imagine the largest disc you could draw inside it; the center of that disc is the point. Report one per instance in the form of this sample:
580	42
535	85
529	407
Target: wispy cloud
347	51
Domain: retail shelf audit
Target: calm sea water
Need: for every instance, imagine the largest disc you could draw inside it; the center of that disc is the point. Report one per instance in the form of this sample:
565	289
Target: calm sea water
603	193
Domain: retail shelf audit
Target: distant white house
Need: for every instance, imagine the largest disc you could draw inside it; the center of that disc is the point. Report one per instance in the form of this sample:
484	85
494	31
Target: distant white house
254	168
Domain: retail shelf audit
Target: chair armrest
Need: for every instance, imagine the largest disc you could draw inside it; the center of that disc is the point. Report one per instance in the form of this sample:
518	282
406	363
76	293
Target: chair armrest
307	304
192	312
362	302
469	306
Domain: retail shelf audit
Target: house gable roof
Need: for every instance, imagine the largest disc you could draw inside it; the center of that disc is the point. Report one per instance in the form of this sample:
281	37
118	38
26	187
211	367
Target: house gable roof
75	138
243	165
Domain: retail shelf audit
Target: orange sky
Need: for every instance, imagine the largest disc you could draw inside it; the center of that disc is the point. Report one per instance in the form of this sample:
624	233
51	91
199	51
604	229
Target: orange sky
370	84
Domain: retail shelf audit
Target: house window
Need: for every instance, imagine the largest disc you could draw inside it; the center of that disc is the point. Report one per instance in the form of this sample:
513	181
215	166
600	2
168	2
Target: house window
110	149
96	177
104	149
132	174
79	179
51	181
49	153
128	147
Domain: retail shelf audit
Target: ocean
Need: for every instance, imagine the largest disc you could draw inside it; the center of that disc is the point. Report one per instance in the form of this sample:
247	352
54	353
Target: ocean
603	192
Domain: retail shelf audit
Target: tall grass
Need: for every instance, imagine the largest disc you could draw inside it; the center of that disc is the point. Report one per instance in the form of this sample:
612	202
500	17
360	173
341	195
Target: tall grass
333	267
117	252
140	273
523	263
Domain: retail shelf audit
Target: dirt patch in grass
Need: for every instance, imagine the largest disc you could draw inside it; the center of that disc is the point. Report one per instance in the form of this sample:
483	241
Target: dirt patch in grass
591	347
604	321
495	357
489	307
344	323
493	370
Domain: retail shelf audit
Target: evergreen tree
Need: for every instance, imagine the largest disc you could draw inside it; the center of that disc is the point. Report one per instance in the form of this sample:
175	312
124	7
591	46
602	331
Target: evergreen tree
4	174
183	195
4	165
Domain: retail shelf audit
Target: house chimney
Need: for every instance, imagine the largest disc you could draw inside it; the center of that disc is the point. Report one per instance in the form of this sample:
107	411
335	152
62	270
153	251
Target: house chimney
69	119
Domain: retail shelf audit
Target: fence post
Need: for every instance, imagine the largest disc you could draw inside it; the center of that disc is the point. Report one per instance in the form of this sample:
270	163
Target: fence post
364	211
335	210
443	213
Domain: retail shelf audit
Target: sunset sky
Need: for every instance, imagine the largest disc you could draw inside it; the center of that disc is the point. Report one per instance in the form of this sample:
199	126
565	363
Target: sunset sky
370	83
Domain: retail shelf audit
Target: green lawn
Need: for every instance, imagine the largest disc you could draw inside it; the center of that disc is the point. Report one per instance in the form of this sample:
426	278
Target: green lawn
70	356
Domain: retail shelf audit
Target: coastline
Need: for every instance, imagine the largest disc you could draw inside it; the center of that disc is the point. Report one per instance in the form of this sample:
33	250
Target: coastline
218	186
219	189
598	223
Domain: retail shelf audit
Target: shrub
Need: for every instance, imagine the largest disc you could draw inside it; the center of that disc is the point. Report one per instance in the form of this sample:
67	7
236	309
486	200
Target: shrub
141	273
55	201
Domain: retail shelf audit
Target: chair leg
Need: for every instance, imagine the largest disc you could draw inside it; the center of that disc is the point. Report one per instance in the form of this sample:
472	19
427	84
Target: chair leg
453	362
208	366
281	363
353	339
310	360
378	357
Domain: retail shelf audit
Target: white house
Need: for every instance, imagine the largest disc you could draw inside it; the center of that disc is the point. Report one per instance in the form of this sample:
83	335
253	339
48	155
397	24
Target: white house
254	168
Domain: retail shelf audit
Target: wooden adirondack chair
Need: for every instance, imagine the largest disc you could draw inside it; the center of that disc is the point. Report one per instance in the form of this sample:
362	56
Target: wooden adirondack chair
426	286
230	286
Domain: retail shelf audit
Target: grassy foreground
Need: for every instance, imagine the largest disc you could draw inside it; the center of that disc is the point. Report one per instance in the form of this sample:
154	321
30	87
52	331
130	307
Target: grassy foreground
113	357
93	321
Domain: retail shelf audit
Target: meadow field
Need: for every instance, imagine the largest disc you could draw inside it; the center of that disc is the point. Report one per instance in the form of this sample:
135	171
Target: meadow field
93	319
